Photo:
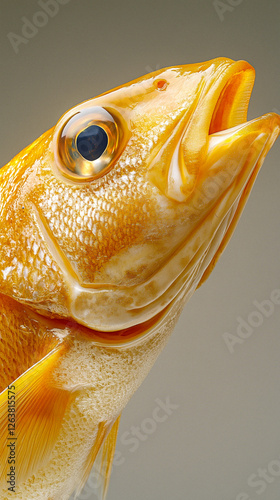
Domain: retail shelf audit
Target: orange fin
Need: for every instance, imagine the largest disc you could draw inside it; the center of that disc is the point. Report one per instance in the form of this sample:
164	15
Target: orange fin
107	456
101	457
29	437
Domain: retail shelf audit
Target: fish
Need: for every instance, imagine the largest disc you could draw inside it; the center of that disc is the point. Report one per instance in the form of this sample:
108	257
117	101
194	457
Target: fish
110	221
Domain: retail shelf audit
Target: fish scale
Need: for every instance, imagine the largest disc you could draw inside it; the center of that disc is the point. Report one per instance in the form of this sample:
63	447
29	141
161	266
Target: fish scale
101	247
116	213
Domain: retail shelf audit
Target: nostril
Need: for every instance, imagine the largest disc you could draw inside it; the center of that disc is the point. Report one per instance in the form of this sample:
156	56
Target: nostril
161	84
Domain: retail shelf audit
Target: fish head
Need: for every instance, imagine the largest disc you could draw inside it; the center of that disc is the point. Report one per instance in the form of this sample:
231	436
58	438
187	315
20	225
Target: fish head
134	194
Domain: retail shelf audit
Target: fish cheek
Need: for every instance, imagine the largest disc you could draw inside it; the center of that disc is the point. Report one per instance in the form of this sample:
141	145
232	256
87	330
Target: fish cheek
136	261
92	224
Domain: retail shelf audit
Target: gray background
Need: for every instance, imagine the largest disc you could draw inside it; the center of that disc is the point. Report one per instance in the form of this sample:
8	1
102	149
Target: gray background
226	426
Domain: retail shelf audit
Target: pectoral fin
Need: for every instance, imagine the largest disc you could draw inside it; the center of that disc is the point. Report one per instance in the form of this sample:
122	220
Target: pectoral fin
101	458
29	437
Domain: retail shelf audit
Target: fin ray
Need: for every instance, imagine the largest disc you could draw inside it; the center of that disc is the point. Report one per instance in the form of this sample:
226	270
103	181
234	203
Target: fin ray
39	410
101	458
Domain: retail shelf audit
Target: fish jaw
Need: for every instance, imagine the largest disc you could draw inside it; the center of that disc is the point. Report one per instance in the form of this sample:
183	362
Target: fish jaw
243	150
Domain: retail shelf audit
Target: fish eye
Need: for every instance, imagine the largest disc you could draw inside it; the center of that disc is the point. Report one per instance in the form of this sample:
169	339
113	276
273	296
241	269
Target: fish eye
86	144
92	142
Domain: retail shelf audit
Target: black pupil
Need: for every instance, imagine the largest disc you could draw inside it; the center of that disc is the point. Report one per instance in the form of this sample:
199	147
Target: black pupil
92	142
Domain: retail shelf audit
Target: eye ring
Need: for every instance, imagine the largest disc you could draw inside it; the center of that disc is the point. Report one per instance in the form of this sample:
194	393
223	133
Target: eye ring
86	144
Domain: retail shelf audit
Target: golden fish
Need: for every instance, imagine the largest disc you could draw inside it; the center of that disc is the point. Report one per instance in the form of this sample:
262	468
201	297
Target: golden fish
109	223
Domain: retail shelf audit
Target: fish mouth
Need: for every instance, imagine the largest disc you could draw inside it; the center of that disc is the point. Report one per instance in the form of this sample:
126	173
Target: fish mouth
232	97
229	118
221	102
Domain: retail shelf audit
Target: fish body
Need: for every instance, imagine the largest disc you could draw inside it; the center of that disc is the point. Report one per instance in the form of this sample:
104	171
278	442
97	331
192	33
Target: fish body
109	223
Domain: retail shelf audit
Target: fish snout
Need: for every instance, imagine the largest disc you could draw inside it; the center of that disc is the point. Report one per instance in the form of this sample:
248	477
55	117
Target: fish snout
220	102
